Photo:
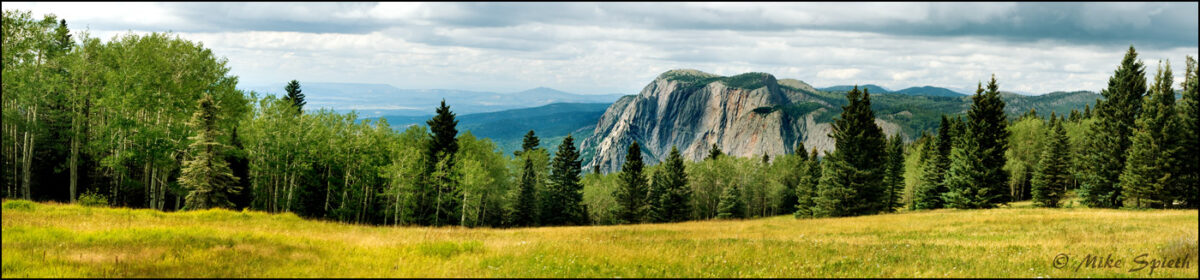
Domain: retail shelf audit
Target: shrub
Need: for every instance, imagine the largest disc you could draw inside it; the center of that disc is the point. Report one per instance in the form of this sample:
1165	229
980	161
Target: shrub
92	199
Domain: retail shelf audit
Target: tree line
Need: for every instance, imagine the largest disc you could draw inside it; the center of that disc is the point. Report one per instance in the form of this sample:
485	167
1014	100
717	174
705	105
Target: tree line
155	121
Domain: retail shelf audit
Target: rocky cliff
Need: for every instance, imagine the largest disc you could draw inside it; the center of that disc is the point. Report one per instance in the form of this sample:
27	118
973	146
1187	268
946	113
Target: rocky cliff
745	115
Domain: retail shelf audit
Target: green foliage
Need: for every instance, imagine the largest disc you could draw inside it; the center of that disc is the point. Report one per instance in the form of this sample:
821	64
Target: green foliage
563	202
670	196
714	152
1026	139
442	147
207	176
731	205
92	199
1188	188
852	182
1150	170
294	95
631	196
806	187
1051	180
1110	136
976	178
894	176
526	213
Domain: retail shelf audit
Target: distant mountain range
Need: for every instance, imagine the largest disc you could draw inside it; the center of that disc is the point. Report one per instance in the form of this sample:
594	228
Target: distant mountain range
375	100
551	123
925	90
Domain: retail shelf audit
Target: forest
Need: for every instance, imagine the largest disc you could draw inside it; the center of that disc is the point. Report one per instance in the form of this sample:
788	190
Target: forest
156	121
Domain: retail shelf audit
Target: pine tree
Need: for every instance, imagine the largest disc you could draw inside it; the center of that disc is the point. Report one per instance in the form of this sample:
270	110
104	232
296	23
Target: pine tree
1188	188
806	189
894	178
526	212
529	143
206	175
294	95
1051	178
930	187
443	146
240	167
853	178
1109	139
976	178
565	199
670	195
1087	111
631	194
1150	167
714	152
731	205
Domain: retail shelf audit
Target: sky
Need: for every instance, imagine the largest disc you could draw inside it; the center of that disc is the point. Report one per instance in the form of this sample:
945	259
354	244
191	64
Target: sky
604	48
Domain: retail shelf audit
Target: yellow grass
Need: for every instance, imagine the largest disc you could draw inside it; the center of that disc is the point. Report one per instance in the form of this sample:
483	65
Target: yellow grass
56	240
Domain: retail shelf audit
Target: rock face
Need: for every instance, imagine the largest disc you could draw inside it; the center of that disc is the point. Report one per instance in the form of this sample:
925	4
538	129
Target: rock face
692	110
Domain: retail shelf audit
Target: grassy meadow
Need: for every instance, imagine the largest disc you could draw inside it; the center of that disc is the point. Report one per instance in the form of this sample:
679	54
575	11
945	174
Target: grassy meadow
60	240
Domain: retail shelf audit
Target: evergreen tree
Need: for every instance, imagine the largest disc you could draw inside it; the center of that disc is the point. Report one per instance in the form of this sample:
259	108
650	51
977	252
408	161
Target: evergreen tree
240	167
443	145
206	175
853	178
529	143
670	195
565	198
1150	168
976	178
806	189
714	152
294	95
1188	188
731	205
894	178
1087	111
1109	139
930	187
526	210
631	194
1051	179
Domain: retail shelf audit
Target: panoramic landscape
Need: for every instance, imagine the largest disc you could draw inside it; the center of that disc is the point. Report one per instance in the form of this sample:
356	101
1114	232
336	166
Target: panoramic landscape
569	140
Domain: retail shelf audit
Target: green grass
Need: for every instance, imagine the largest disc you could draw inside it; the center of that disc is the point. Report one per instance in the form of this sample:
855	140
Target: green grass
57	240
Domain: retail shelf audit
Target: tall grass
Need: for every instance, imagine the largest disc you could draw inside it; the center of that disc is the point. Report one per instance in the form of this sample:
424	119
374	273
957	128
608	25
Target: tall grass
56	240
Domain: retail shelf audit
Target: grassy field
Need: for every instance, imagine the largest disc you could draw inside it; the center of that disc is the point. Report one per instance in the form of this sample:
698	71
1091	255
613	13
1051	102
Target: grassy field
57	240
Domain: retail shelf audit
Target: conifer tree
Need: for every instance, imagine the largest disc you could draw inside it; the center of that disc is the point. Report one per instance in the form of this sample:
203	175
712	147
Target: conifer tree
631	194
1051	178
565	198
976	178
806	189
526	212
294	95
1150	168
714	152
1188	187
529	143
206	175
670	195
731	205
930	187
443	146
852	182
1109	139
894	179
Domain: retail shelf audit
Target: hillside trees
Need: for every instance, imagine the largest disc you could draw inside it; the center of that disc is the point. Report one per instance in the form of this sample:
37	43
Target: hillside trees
852	182
1110	136
207	176
1150	172
1050	181
631	195
1188	187
976	178
564	196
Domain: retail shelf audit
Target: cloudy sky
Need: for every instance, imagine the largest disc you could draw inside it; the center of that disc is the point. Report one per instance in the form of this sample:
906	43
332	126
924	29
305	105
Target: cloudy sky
597	48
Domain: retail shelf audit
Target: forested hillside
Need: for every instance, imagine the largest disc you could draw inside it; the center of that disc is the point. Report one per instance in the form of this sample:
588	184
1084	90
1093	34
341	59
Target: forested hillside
156	121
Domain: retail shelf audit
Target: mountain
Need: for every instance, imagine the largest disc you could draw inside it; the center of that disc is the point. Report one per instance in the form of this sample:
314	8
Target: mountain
754	114
375	100
844	88
745	115
929	91
507	128
874	89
